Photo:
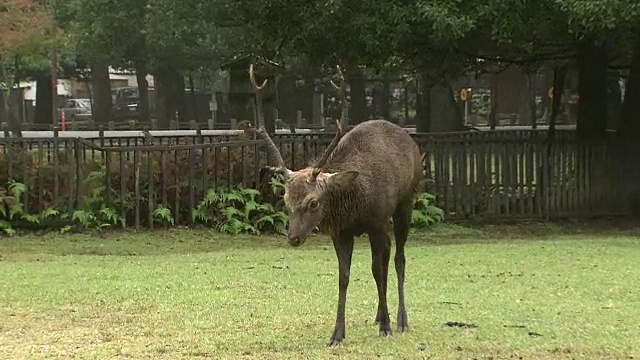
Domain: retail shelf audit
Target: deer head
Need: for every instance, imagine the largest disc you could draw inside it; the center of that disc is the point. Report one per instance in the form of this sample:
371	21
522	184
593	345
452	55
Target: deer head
305	189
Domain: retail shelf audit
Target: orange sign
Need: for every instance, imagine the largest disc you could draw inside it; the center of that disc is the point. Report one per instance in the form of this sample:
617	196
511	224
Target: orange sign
464	94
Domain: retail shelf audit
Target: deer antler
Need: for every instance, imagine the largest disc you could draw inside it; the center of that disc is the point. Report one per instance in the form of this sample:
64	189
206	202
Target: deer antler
281	167
343	98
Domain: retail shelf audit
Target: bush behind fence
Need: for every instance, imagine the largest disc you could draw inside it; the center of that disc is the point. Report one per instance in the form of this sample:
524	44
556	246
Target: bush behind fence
488	174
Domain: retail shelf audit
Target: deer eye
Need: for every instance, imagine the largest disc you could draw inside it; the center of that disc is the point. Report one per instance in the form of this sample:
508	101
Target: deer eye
313	204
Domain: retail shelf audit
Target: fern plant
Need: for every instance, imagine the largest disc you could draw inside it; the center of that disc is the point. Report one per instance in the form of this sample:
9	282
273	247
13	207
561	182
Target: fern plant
163	214
425	212
239	211
103	219
12	209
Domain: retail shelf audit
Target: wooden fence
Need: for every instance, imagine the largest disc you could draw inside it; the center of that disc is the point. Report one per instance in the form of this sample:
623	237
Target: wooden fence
514	174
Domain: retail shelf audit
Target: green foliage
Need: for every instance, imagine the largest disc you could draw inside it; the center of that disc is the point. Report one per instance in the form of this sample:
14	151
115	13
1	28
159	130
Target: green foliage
425	212
163	214
12	209
239	211
100	220
234	212
96	212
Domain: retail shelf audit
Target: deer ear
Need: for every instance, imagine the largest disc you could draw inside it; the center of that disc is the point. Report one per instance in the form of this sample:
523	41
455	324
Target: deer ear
340	180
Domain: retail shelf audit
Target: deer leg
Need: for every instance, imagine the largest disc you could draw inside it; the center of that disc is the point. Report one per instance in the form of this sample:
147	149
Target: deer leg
380	253
344	249
401	223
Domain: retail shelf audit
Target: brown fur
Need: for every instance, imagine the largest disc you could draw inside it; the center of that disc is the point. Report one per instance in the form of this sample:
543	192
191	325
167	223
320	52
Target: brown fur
365	177
374	173
389	173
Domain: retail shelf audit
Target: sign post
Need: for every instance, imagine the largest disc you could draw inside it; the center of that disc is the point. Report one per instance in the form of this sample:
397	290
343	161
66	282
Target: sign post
464	96
62	119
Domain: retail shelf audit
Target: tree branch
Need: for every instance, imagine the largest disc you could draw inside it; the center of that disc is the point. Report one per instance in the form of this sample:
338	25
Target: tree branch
566	54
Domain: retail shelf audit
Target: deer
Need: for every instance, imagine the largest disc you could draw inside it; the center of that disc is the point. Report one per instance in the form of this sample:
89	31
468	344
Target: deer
365	177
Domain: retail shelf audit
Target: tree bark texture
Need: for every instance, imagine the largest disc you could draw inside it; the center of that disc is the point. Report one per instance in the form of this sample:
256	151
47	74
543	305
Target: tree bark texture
143	88
423	105
592	90
629	118
44	100
445	112
286	95
358	103
101	92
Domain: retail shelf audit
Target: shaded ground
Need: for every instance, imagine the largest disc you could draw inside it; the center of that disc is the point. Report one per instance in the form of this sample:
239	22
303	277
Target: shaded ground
540	291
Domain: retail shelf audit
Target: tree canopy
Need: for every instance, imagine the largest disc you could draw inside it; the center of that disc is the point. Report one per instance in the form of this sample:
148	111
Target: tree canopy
437	39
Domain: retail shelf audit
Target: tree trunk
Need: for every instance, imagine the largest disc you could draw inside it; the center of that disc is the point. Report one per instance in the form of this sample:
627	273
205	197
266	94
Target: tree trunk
194	102
527	109
178	90
44	100
143	89
101	91
358	103
161	91
423	105
385	101
559	80
4	107
286	95
629	118
493	111
269	105
305	98
8	110
168	97
445	112
614	101
592	90
15	111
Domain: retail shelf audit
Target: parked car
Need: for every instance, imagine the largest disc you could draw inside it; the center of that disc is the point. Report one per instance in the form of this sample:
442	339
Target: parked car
126	101
76	110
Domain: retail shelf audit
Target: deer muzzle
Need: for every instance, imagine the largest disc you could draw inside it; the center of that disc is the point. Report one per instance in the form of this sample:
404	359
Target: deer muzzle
297	236
295	241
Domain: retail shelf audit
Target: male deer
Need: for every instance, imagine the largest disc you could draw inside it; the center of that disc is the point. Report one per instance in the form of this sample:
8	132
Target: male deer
371	173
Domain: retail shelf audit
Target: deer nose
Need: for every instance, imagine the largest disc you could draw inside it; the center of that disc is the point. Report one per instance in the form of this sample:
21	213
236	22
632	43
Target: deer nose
294	240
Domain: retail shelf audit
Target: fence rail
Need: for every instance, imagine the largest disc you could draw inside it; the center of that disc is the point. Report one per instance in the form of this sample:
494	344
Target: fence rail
488	174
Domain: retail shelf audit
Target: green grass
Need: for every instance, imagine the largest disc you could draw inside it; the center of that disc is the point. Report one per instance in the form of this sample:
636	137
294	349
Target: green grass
182	294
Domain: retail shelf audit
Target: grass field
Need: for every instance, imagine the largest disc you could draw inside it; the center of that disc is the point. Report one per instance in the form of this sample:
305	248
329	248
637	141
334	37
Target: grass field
179	294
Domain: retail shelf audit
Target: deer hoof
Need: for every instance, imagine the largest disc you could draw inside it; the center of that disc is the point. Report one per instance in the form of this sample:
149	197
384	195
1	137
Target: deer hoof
403	323
385	332
334	343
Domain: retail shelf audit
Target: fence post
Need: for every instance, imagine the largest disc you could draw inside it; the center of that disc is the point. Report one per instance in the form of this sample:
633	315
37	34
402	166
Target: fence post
101	137
198	132
148	141
78	162
56	165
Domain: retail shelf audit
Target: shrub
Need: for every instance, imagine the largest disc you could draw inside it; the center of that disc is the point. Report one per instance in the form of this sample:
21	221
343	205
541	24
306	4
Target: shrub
235	211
